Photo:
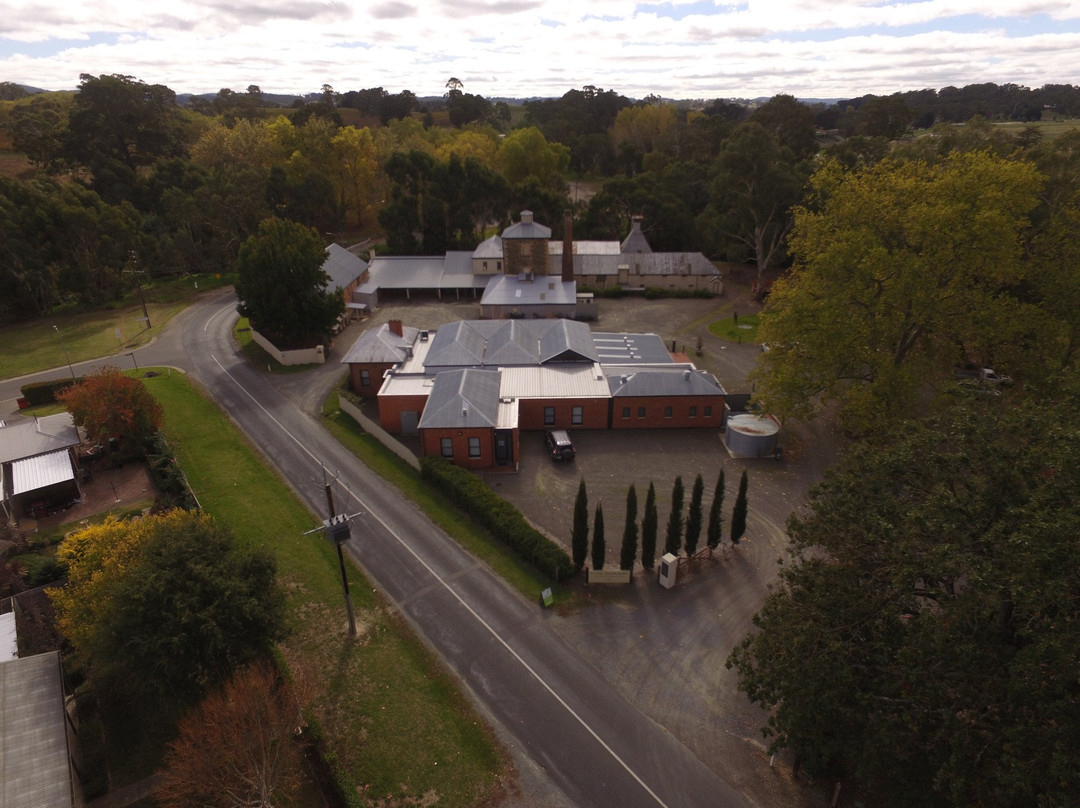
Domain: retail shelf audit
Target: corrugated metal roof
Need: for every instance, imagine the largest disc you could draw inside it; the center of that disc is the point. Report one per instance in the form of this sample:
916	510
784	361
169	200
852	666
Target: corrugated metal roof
635	241
508	414
487	342
34	767
526	228
663	382
342	266
381	345
40	471
461	399
564	381
398	385
422	272
586	248
489	248
670	264
567	340
505	290
618	348
24	437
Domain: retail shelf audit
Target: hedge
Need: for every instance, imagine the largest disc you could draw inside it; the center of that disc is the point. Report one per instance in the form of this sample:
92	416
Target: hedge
471	495
168	477
45	392
657	293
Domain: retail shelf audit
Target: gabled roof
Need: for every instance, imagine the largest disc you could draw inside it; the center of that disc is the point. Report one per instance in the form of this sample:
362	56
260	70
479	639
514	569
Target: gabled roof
673	381
492	343
505	290
24	437
635	241
342	266
36	772
381	346
460	399
489	248
567	341
527	228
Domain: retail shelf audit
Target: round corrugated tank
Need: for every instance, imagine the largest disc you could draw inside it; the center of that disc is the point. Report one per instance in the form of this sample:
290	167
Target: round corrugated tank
750	435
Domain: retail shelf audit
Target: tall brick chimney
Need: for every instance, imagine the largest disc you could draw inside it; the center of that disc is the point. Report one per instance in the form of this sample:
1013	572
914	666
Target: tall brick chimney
395	327
568	247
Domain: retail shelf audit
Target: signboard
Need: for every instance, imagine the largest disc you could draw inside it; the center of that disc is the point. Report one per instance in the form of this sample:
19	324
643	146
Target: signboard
607	576
547	599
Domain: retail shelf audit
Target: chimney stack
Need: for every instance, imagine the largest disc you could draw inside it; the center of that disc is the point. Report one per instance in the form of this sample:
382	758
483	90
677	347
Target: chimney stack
395	327
568	247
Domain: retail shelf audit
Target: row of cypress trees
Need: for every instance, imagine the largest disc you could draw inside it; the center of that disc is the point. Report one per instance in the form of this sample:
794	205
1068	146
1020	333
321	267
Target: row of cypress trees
683	530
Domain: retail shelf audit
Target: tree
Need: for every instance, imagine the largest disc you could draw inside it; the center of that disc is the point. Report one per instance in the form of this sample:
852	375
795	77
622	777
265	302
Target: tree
630	532
649	523
599	546
527	153
673	538
38	128
579	535
693	518
166	606
902	271
282	286
791	122
108	404
756	182
715	529
238	748
927	633
738	513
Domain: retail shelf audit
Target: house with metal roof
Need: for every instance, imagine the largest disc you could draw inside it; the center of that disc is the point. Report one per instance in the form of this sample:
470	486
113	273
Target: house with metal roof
38	463
470	387
37	739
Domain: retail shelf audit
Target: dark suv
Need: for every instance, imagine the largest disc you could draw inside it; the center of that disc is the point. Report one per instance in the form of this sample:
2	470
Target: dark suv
559	444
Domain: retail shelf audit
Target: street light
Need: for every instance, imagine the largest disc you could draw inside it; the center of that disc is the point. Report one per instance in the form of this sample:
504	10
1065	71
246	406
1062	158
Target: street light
66	357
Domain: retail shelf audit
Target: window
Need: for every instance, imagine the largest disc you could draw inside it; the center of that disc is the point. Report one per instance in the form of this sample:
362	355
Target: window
365	378
708	411
640	412
625	412
693	412
498	266
577	415
447	447
549	416
485	266
474	447
667	412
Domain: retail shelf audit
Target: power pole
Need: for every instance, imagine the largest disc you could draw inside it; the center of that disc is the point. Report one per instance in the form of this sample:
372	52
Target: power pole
337	530
134	271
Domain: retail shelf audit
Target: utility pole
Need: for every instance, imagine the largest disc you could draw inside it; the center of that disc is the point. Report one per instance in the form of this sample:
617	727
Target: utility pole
62	345
134	271
337	530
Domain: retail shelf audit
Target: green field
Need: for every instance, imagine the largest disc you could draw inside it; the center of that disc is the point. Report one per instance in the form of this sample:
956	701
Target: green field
392	715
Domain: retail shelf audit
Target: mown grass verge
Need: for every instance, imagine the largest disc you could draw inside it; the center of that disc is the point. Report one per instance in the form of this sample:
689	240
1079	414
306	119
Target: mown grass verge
521	576
392	716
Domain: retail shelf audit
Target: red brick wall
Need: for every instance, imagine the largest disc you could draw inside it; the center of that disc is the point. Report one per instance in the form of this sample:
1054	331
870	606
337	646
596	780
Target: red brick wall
391	407
376	371
431	443
594	413
680	412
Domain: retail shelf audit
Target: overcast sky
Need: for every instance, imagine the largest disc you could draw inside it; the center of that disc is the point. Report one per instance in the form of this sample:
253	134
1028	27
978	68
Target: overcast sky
518	48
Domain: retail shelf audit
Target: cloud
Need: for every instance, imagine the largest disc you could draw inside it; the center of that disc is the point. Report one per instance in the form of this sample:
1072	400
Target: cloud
393	11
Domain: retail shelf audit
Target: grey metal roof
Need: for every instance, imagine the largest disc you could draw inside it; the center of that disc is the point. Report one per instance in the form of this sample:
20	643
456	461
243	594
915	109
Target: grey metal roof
421	272
586	248
526	228
588	264
635	241
34	765
24	437
381	345
506	290
479	343
670	264
32	473
673	381
626	349
342	266
465	398
489	248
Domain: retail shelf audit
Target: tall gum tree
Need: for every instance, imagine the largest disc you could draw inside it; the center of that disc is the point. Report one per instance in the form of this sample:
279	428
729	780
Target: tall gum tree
901	271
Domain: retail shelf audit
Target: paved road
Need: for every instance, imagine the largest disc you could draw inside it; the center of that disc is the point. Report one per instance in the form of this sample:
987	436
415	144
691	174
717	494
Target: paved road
593	746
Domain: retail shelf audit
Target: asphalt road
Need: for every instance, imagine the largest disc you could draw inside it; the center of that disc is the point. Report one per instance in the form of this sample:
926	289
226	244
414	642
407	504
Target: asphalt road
576	739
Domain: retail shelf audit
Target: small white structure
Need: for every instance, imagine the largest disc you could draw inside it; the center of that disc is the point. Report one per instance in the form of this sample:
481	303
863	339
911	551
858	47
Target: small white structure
669	570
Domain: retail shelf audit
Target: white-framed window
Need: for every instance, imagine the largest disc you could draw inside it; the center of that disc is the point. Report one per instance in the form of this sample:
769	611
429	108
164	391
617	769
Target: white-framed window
549	416
625	412
447	447
474	447
577	415
365	378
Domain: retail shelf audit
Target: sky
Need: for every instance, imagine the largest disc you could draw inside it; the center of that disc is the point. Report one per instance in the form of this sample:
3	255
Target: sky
528	48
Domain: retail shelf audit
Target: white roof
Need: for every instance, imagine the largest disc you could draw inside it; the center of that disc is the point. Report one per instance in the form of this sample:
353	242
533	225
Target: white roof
41	471
554	382
9	644
586	248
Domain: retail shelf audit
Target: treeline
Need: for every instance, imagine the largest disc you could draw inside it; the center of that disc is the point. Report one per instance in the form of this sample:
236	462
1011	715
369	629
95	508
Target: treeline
125	180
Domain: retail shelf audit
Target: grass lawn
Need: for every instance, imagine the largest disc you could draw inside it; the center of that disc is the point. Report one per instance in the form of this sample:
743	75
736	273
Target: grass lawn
743	331
392	716
521	576
92	334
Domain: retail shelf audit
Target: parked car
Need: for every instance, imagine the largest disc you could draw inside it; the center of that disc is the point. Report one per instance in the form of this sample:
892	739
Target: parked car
559	444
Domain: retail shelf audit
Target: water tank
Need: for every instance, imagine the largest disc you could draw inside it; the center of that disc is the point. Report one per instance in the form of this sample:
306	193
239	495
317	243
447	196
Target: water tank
752	435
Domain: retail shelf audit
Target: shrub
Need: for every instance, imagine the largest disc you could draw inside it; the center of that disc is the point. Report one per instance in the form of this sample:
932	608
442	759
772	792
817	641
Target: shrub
470	494
45	392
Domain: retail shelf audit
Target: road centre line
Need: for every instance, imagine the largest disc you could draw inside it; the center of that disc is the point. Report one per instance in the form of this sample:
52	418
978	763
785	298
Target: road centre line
452	592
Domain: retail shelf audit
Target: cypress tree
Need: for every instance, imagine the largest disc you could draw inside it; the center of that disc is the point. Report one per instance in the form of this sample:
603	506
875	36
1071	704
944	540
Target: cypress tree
579	536
630	533
738	513
599	547
693	518
673	540
716	523
648	530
